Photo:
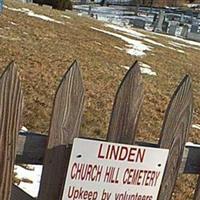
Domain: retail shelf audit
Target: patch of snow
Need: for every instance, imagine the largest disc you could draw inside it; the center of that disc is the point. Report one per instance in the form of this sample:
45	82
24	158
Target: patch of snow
43	17
154	42
119	48
144	65
13	23
126	30
180	45
172	48
180	51
125	67
136	48
147	71
190	42
33	174
32	14
191	144
80	14
65	16
144	68
197	126
193	5
23	129
130	32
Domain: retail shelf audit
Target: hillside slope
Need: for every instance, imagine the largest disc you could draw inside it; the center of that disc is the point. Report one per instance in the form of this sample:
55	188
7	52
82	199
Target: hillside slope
44	42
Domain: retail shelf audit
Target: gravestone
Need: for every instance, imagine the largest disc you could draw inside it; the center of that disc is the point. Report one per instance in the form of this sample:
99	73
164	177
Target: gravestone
161	19
194	28
172	28
182	18
83	1
184	31
137	22
165	26
194	36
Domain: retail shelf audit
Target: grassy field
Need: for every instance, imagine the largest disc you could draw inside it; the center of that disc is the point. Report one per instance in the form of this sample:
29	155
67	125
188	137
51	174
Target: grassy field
43	50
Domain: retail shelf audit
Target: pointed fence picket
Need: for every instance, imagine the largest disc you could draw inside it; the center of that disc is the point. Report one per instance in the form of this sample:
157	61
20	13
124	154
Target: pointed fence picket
11	102
54	151
65	125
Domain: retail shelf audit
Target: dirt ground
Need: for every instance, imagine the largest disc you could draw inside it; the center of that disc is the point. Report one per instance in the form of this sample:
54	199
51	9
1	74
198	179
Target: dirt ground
44	50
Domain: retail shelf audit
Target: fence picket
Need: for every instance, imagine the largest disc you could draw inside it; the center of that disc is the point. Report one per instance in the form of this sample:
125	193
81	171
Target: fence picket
126	108
11	103
197	191
174	134
65	125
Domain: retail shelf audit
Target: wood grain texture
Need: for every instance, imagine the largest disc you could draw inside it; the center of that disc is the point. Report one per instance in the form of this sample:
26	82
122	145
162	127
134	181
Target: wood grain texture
11	102
31	149
197	191
177	123
18	194
65	125
126	108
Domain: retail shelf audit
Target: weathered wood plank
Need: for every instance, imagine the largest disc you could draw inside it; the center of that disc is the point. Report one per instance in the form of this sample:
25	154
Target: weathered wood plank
126	108
197	191
11	101
65	125
174	134
18	194
31	149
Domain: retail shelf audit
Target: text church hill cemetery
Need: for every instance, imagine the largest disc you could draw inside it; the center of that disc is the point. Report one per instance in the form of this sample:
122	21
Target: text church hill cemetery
105	171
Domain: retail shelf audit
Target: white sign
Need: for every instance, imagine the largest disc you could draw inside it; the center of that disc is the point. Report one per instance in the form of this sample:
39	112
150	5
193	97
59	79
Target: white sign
109	171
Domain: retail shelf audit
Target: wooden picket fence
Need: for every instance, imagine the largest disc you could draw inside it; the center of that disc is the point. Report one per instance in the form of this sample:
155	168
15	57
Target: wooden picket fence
54	151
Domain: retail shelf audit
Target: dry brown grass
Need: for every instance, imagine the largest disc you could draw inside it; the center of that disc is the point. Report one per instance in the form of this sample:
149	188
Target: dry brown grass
44	50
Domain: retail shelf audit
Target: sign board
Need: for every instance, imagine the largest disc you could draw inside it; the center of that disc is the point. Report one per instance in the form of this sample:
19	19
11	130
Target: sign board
109	171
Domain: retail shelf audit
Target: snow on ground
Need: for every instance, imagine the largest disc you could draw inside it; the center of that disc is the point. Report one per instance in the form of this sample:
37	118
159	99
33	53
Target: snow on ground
190	42
13	23
133	33
130	32
154	42
180	51
30	178
32	14
181	45
65	16
119	48
197	126
176	44
126	30
144	68
192	144
135	47
175	49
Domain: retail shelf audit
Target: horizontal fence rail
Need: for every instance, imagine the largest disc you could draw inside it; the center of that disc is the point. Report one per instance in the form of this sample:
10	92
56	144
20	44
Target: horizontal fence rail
34	153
